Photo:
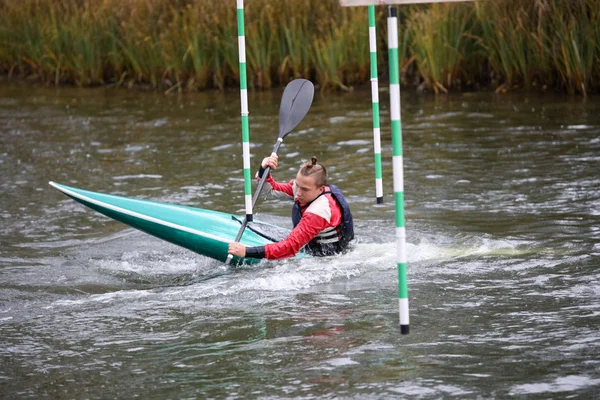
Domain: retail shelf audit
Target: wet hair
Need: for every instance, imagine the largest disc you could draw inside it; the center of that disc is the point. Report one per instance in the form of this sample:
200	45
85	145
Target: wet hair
316	170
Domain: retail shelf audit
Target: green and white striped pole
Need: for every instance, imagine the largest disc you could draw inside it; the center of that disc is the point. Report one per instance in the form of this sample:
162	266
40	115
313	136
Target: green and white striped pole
375	101
244	107
398	168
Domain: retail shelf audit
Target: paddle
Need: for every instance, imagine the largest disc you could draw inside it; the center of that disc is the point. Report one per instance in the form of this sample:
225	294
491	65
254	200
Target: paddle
295	103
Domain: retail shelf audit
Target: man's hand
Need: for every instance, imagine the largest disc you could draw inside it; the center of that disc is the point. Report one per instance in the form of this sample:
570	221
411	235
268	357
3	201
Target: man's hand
237	249
270	161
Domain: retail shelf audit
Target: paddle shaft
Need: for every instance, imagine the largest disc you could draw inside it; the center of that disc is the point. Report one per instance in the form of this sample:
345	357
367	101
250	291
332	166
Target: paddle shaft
259	188
261	183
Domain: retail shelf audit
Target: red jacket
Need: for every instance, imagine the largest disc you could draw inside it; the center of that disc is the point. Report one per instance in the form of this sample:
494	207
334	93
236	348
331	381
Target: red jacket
324	212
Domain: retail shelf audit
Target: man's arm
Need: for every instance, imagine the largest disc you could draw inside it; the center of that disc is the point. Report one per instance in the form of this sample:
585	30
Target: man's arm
310	225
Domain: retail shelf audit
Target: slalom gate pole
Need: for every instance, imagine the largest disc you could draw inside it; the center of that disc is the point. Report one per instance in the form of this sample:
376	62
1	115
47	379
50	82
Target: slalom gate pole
398	168
244	110
375	101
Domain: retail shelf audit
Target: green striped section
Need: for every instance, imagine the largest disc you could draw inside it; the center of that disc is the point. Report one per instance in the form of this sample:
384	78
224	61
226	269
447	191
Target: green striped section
243	79
245	129
402	281
394	73
396	138
374	71
371	15
247	182
378	169
375	115
240	21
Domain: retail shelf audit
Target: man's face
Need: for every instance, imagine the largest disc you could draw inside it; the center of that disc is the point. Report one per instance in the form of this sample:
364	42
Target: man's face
307	189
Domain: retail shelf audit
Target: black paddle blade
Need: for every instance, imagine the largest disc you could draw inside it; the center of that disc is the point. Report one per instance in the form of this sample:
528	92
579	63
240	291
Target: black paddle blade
295	103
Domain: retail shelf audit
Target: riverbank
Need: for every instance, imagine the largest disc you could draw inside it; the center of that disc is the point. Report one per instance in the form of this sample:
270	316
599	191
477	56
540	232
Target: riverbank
192	45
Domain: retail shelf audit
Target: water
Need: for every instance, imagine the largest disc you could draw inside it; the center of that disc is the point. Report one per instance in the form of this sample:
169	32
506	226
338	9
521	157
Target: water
502	208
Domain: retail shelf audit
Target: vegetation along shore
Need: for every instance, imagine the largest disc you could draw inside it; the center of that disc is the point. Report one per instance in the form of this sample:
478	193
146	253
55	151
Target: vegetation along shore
192	44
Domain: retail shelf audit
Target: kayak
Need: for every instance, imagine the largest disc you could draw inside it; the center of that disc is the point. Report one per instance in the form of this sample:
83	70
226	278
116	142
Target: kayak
205	232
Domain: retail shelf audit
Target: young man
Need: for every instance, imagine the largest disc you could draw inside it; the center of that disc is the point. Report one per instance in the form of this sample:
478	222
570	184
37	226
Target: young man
322	219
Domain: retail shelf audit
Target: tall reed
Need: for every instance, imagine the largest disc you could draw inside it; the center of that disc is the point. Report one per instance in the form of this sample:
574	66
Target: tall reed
507	39
543	42
575	45
192	44
440	43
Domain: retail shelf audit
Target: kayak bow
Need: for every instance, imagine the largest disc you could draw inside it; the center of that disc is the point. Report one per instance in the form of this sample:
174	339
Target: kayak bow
205	232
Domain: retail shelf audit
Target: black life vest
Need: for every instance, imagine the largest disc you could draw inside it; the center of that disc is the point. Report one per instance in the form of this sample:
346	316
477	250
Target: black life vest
331	240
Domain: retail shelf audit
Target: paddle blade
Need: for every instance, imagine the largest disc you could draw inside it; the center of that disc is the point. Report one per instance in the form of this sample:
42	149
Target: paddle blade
295	103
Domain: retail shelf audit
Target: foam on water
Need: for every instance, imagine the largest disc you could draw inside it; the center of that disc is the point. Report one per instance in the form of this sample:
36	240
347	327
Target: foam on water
180	278
138	176
560	384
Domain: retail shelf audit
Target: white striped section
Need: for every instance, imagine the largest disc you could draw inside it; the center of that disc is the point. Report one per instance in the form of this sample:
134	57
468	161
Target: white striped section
401	245
398	171
248	201
392	23
401	233
138	215
395	102
376	140
327	241
240	4
374	90
403	309
242	48
327	230
379	187
244	101
246	154
372	40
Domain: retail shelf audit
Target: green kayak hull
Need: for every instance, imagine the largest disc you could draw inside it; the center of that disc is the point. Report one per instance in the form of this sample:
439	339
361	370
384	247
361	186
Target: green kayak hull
205	232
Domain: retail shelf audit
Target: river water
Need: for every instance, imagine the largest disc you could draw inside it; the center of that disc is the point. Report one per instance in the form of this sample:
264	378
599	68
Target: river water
503	231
